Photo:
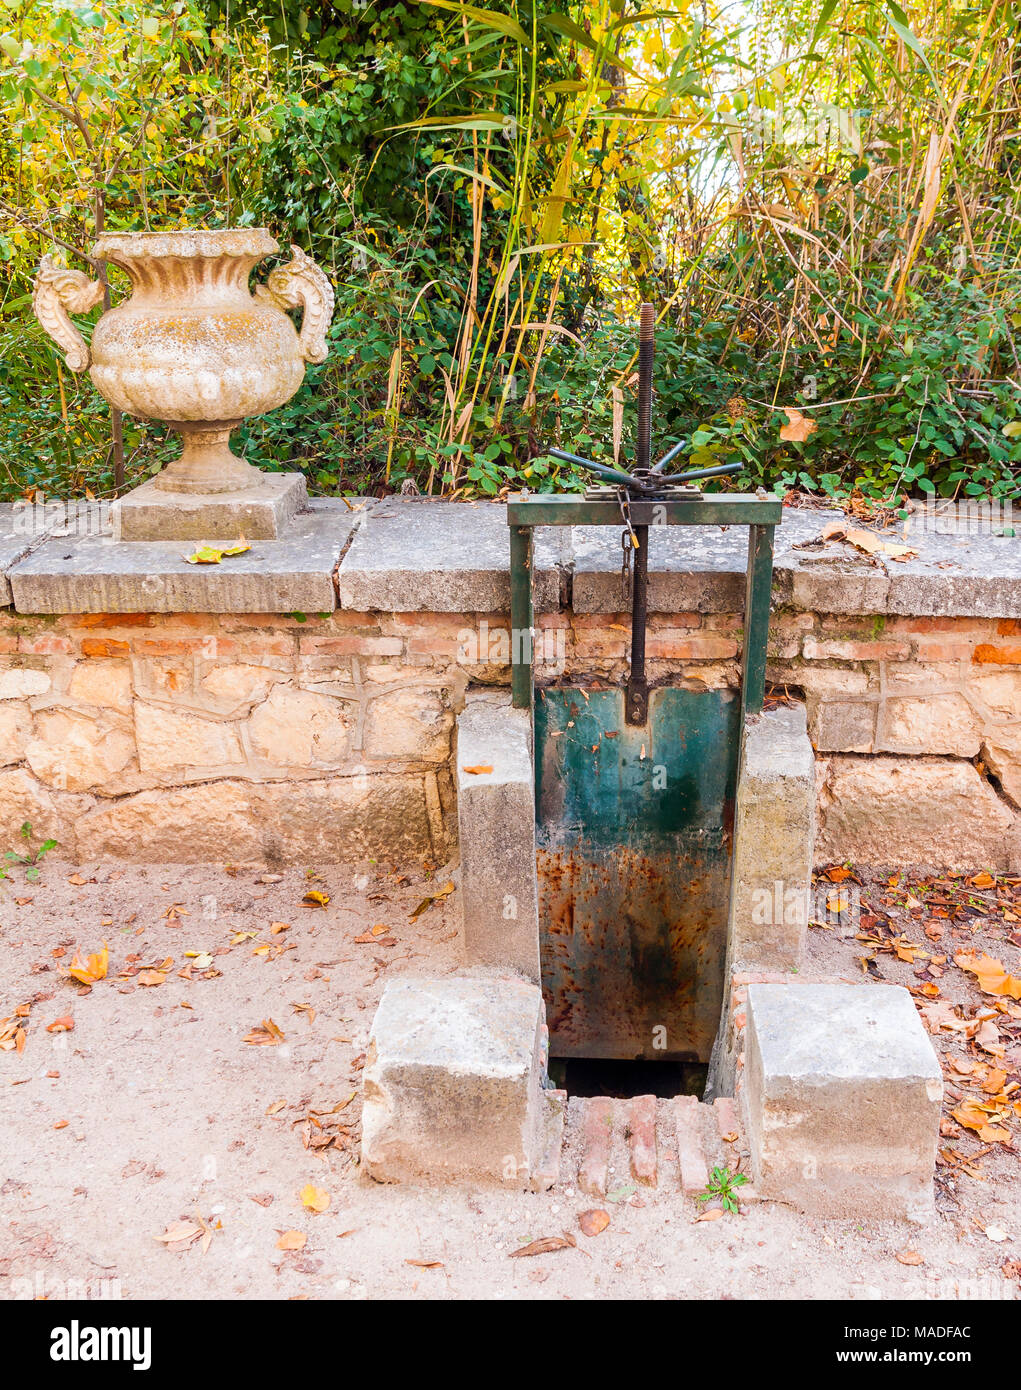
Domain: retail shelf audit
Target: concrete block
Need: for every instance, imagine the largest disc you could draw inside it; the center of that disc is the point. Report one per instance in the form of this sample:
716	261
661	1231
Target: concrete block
442	557
774	842
262	512
496	821
841	1098
97	574
452	1082
13	545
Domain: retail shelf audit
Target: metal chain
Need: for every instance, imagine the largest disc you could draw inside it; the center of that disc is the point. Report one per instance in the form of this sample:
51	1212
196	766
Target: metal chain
628	544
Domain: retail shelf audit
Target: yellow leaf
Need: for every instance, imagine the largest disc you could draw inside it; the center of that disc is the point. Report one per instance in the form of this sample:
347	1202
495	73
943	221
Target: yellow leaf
315	1198
91	969
292	1240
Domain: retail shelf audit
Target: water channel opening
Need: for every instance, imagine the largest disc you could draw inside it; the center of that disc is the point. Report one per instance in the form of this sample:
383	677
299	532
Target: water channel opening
612	1076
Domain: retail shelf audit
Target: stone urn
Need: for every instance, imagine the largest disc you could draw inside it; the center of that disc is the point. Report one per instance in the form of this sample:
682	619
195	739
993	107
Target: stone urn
193	347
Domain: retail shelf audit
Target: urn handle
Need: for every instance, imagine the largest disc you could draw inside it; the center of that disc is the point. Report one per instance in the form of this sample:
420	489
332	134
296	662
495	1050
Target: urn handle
301	284
57	293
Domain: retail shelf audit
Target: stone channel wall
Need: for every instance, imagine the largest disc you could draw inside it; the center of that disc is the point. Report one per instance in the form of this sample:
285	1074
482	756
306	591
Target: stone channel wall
175	735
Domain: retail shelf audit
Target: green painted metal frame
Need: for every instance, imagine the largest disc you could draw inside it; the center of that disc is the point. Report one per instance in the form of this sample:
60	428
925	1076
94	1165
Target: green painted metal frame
760	515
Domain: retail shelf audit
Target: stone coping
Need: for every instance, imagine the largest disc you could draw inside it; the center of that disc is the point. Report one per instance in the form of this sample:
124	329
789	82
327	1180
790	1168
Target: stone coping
420	555
96	574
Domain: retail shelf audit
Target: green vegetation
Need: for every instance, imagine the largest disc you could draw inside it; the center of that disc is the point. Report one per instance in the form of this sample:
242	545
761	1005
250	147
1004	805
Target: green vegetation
722	1186
30	859
822	199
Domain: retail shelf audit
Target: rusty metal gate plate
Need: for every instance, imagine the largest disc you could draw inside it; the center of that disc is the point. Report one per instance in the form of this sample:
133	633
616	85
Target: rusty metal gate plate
633	841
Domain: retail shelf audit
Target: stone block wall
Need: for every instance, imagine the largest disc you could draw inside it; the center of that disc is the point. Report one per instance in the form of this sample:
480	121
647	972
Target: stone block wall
205	736
215	735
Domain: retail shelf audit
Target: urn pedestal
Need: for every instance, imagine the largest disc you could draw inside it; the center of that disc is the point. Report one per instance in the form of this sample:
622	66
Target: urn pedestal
194	347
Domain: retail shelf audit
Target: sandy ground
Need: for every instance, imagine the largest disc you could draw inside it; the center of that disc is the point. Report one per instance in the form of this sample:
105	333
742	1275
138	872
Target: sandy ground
154	1110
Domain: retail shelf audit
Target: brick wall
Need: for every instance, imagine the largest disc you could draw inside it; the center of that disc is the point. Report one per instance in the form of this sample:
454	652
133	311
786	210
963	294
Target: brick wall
194	736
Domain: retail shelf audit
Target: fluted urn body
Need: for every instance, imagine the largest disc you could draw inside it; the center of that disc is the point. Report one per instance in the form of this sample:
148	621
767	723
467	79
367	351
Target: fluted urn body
193	346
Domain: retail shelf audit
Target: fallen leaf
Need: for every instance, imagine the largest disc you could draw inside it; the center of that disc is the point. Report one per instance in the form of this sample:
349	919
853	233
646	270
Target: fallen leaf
990	975
315	1198
420	1264
479	769
92	968
545	1245
594	1221
152	978
713	1215
264	1199
975	1116
909	1257
61	1025
314	898
865	541
996	1233
180	1232
443	892
266	1035
212	554
292	1240
277	927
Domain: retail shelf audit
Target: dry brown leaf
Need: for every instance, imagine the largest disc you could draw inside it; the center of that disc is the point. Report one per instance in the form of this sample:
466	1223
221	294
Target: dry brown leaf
180	1233
419	1264
865	541
909	1257
61	1025
594	1221
713	1214
798	426
479	769
990	975
978	1117
545	1245
152	978
266	1035
443	892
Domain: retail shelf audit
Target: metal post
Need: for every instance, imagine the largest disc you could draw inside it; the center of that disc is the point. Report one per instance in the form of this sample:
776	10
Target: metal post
636	706
758	589
522	616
